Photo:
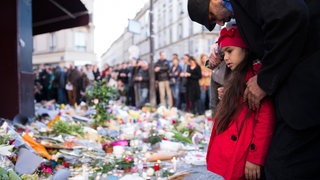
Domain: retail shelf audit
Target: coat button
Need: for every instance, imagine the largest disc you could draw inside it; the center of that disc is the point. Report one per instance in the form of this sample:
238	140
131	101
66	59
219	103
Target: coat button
233	138
252	146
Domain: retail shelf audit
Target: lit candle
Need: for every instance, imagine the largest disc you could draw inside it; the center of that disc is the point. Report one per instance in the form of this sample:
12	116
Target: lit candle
174	163
157	166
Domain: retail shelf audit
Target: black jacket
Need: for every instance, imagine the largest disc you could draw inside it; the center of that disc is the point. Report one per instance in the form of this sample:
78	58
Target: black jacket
285	35
163	74
144	83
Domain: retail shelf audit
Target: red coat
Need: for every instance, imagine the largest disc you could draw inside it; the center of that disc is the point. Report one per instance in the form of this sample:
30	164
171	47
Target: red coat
228	151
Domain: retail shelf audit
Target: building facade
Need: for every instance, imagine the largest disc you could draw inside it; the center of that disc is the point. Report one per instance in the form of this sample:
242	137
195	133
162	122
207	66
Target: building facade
174	32
74	45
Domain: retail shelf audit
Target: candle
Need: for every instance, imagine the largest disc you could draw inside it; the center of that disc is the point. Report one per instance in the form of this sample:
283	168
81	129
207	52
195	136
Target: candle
157	166
174	163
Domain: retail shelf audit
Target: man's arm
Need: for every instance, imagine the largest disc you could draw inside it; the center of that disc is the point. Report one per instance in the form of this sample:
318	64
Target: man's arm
285	31
285	28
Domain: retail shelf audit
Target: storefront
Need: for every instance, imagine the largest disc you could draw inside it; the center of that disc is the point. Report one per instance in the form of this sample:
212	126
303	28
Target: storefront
21	19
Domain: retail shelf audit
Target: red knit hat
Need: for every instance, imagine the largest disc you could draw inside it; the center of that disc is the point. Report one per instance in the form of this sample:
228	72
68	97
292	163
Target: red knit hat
231	37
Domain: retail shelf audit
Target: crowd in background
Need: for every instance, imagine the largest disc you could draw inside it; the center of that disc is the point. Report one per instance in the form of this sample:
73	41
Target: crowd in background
183	82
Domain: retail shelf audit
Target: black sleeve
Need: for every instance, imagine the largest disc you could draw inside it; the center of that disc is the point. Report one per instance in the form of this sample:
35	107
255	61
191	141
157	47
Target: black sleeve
285	27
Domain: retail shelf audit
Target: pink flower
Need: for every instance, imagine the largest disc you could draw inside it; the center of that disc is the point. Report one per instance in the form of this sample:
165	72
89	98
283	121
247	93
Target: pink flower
128	158
47	170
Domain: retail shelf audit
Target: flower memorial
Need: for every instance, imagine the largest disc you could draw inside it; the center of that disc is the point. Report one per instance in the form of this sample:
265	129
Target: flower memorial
147	143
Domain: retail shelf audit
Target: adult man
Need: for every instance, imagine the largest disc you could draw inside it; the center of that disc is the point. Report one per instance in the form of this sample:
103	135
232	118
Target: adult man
73	78
60	78
162	68
285	35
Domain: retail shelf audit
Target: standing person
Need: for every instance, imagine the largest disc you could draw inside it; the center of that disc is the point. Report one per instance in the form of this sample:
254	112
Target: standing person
96	73
73	77
183	86
175	80
104	72
204	84
60	81
240	137
132	71
285	35
193	87
123	74
88	71
44	77
143	80
162	69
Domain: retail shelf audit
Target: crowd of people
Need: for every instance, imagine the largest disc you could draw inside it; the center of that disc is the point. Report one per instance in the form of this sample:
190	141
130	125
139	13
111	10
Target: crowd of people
182	83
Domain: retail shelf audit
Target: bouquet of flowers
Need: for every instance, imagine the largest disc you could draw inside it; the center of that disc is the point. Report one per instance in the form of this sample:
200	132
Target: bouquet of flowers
126	162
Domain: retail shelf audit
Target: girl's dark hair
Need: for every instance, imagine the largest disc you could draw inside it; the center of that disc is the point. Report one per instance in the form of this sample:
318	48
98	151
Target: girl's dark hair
234	86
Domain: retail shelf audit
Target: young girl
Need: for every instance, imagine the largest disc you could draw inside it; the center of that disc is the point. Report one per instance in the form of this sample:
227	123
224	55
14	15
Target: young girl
240	137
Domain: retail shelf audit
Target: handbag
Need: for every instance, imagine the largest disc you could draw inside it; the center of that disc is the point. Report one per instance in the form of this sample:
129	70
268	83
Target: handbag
69	87
172	81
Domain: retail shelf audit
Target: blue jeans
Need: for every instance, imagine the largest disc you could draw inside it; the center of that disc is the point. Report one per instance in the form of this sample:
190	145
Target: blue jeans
62	96
144	96
203	97
176	94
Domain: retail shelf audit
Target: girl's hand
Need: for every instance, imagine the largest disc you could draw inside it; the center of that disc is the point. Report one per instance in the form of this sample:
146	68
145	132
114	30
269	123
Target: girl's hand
252	171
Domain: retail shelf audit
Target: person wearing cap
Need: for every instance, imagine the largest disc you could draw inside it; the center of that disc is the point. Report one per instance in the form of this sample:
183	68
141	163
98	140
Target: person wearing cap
240	136
285	35
142	79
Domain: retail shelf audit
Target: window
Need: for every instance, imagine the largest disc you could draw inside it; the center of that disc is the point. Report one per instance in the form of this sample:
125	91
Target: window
180	31
170	35
80	41
180	11
52	42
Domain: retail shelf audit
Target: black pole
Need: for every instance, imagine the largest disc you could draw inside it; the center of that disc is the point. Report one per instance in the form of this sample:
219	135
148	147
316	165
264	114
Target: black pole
151	69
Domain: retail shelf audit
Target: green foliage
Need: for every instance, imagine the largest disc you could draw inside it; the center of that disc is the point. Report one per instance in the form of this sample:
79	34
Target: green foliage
3	174
179	137
99	96
61	127
125	162
183	133
13	175
4	139
154	139
105	168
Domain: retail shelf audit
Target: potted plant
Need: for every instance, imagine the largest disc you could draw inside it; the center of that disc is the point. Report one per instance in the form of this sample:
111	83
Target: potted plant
108	148
126	163
106	142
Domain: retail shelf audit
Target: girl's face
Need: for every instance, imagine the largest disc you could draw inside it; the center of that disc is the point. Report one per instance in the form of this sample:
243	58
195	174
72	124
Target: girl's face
233	56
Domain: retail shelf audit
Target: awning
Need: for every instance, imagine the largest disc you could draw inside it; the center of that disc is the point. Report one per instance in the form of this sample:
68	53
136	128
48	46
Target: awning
54	15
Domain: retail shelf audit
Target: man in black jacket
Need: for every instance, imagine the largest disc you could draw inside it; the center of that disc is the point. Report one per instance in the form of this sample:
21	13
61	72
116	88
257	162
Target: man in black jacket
162	68
285	35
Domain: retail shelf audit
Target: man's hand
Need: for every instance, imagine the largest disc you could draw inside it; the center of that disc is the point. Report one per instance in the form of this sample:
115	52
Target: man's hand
214	57
252	171
253	93
220	92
